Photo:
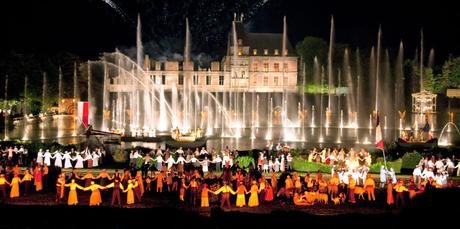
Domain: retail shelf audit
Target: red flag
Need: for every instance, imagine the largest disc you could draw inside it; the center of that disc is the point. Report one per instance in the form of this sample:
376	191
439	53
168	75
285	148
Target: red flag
378	134
83	111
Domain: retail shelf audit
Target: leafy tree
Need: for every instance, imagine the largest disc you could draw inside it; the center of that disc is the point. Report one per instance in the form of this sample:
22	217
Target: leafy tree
310	47
450	77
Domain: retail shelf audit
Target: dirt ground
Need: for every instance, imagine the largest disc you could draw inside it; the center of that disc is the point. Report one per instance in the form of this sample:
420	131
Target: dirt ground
39	210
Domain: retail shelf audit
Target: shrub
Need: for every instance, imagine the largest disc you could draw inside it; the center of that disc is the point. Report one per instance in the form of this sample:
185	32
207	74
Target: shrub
245	161
409	161
120	156
396	165
302	165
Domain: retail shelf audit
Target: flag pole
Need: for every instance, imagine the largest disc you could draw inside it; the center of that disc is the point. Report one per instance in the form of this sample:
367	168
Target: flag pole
384	159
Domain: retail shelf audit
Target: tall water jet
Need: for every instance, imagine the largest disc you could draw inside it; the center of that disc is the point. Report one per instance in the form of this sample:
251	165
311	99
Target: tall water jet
421	60
269	119
329	65
105	99
90	95
26	92
304	111
350	97
60	87
431	59
187	42
6	137
377	71
139	46
284	37
257	111
75	82
358	88
44	92
387	87
399	74
321	107
372	80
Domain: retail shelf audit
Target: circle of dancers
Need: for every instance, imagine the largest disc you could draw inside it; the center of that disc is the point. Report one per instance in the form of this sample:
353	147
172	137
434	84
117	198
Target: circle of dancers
200	187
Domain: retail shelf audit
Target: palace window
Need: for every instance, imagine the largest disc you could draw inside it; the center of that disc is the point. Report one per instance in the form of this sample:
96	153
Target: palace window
265	80
195	66
180	80
181	66
277	67
195	79
208	80
163	79
285	67
275	80
254	52
221	80
240	41
276	52
285	80
265	67
265	51
286	52
154	78
240	51
255	67
162	66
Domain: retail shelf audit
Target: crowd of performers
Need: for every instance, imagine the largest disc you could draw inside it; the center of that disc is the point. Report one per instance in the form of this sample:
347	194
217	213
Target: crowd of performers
200	187
87	158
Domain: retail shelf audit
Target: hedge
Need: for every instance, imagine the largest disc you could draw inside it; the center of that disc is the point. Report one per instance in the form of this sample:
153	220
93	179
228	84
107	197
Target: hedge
396	165
301	165
409	161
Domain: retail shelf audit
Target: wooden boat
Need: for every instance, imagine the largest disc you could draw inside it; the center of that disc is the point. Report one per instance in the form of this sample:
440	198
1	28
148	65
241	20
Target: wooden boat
189	136
430	144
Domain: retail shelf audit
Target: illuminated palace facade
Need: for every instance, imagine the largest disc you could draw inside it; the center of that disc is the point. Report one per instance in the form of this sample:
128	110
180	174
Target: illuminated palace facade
258	66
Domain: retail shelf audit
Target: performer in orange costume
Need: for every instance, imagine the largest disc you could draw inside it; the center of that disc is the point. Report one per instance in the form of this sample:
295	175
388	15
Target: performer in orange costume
14	192
369	185
253	199
130	193
240	195
204	196
390	199
159	178
95	198
73	199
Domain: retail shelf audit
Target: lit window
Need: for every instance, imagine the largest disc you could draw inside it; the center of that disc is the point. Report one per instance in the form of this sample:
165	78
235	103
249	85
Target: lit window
277	67
163	79
255	67
221	80
181	80
240	41
265	51
285	67
286	52
265	67
162	66
265	80
195	80
276	52
254	51
208	80
275	80
240	51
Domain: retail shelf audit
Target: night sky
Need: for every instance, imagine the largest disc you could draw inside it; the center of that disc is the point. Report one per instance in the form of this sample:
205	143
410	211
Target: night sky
89	27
